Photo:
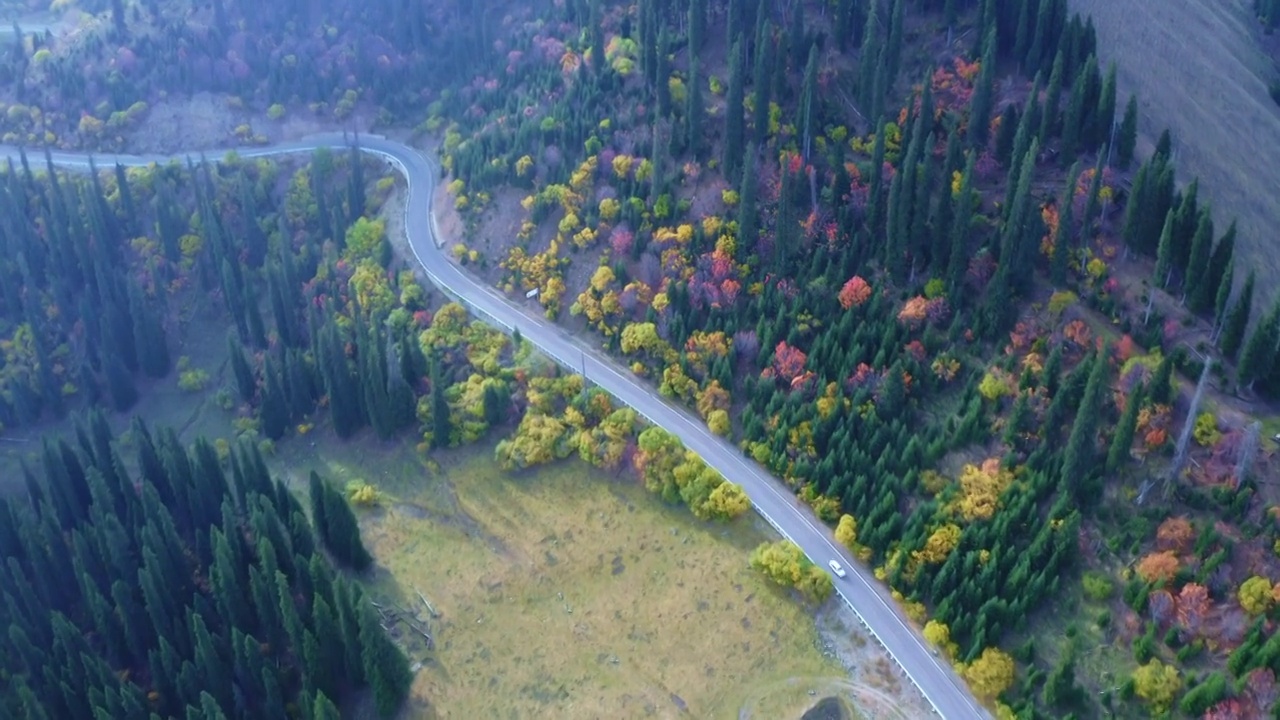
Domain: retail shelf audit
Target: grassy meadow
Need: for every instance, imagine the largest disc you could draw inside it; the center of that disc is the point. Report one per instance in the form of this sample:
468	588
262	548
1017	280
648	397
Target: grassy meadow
1197	70
568	593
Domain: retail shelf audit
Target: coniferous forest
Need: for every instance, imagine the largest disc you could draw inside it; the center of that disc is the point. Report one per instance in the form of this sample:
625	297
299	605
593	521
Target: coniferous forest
910	255
177	591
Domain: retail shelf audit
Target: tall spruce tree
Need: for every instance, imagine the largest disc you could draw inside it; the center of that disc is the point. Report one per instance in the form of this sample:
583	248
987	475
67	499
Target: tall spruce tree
1078	459
1237	320
1260	352
734	134
1127	140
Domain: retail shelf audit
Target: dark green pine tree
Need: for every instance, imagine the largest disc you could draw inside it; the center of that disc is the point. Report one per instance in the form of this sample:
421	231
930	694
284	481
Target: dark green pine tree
809	103
983	92
1053	99
324	709
695	110
1122	440
245	381
1078	460
316	490
893	50
340	533
1072	122
1236	321
869	59
1164	254
1260	352
1162	388
385	666
1127	139
1006	134
148	333
760	86
875	184
598	61
697	26
1222	297
1136	209
1017	246
441	416
120	385
662	73
275	404
1105	118
958	259
1219	265
1062	239
1198	264
735	129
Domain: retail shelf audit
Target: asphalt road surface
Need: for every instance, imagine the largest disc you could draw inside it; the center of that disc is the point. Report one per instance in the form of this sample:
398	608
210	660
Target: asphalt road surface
869	599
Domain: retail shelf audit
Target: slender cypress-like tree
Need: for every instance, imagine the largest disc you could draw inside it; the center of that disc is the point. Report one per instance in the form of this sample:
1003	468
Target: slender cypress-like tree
1078	460
1122	440
1237	320
1065	232
734	124
1127	140
869	61
1260	352
984	91
1164	254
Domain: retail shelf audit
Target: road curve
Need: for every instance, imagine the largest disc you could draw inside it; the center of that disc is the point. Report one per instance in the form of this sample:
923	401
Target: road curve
869	600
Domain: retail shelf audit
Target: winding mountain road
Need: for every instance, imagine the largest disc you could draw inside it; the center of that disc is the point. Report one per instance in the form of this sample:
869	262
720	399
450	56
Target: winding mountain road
869	600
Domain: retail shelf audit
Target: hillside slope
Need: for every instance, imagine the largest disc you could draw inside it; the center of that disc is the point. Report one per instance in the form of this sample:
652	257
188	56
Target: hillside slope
1210	90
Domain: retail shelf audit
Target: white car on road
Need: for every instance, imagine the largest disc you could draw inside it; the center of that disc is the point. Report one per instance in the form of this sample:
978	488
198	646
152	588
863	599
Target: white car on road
836	568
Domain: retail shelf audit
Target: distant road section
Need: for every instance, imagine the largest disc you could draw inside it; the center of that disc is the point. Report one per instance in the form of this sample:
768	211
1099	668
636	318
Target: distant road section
870	601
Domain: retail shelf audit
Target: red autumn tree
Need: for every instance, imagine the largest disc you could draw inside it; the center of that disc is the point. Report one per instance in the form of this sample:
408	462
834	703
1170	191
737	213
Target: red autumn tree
855	292
788	362
1260	689
1229	709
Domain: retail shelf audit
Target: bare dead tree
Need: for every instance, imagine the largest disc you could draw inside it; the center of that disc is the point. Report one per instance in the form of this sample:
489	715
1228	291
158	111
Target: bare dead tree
1248	451
1188	426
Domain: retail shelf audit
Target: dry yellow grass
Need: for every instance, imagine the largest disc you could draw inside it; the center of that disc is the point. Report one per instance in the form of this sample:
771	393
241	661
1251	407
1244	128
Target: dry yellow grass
565	593
1197	70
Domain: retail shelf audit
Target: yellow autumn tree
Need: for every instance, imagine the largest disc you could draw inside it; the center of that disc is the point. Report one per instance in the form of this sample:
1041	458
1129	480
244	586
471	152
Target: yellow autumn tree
712	398
539	439
606	444
718	422
727	502
1158	684
847	532
991	674
939	545
939	634
981	488
783	563
1256	595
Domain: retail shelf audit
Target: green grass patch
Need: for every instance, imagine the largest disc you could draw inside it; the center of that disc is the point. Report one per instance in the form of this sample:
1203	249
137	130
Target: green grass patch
568	592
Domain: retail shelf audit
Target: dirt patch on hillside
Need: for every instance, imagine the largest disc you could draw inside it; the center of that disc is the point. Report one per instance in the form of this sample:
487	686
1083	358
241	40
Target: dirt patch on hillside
210	120
1211	93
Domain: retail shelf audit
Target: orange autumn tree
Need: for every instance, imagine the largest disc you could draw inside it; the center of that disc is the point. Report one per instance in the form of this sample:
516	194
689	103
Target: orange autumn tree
1175	534
1158	566
914	311
855	292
